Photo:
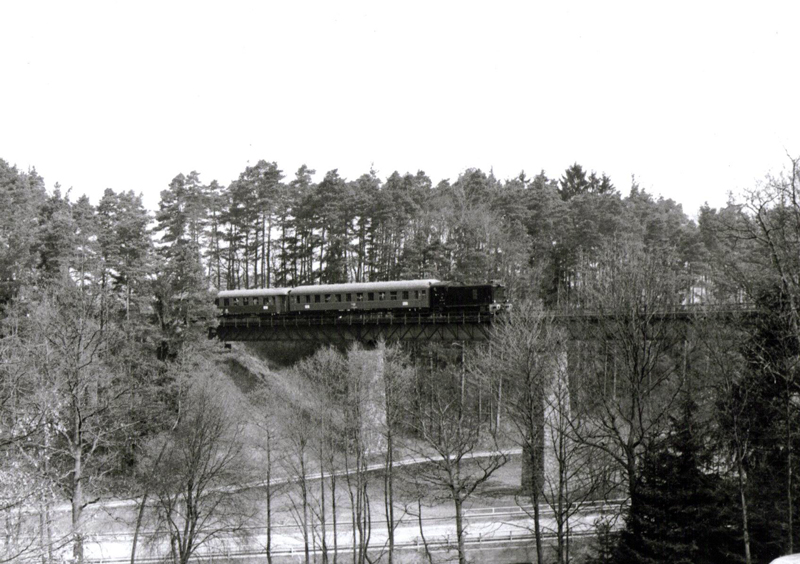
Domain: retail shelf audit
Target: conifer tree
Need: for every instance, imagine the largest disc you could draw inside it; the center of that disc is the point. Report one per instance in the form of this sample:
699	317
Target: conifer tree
680	516
56	237
183	304
125	246
22	195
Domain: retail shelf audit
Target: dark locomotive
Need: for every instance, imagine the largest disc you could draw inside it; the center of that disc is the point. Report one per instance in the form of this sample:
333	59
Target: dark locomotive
424	297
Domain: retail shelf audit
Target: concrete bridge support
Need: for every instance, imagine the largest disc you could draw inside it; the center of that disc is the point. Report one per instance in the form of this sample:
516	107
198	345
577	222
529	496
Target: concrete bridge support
367	367
547	452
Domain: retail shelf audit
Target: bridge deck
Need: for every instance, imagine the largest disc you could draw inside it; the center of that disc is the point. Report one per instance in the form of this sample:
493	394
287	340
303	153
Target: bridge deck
418	326
367	326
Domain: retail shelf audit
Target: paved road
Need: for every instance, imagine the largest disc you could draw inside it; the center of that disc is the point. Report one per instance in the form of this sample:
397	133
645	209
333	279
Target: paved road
483	525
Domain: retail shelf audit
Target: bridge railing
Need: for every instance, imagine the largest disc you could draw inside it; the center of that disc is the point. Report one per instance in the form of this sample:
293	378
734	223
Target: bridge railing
367	318
683	310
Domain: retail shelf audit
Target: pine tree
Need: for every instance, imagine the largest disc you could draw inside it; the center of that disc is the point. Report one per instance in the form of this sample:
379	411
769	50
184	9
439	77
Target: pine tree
332	204
301	246
183	307
214	253
56	238
125	246
676	516
22	194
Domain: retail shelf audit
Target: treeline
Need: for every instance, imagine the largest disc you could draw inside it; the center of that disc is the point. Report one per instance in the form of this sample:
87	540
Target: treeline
107	376
265	231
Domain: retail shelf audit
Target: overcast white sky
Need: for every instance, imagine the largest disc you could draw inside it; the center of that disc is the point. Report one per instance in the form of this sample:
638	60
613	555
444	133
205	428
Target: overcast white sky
695	99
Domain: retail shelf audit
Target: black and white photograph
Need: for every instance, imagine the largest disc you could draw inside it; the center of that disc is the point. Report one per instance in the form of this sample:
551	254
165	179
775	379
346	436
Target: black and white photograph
357	282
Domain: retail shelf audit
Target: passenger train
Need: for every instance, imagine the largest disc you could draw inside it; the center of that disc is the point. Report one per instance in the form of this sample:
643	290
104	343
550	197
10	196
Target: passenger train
418	296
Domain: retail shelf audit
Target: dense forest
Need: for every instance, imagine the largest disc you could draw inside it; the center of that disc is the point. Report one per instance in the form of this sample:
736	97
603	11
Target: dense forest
109	385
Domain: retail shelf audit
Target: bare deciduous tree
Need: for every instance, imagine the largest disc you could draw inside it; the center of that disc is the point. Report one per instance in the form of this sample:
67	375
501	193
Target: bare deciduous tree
736	404
199	480
446	438
523	358
265	418
75	389
628	354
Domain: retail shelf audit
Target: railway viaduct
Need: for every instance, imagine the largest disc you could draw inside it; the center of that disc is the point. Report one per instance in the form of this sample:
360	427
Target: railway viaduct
457	328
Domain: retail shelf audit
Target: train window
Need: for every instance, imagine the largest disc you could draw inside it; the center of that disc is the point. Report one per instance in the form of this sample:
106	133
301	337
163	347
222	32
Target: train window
317	298
297	299
256	300
349	298
381	296
416	294
245	301
337	297
405	297
236	301
393	296
422	293
371	296
327	298
360	297
308	298
228	302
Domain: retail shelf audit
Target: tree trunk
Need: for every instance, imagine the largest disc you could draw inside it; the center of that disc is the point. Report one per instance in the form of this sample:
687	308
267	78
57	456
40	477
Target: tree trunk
267	254
269	500
217	254
462	554
560	503
322	518
499	405
789	470
304	493
354	501
389	495
256	281
333	516
537	528
534	451
138	526
77	502
745	525
247	259
428	554
46	533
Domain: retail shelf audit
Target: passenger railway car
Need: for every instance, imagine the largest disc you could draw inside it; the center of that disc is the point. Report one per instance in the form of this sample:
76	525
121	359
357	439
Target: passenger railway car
253	302
409	295
422	296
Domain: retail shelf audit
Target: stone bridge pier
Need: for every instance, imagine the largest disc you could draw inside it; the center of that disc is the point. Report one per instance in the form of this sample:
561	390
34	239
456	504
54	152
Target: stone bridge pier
547	451
545	455
367	368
